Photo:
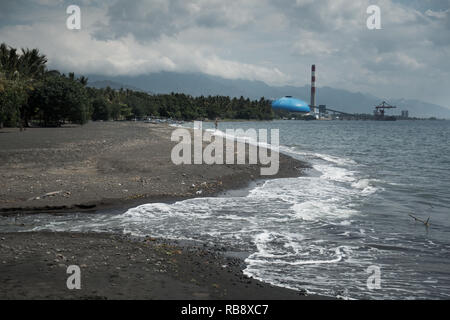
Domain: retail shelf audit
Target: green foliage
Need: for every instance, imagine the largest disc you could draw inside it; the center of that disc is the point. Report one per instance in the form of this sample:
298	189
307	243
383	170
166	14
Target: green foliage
128	104
12	95
116	109
19	74
100	109
28	91
28	66
58	99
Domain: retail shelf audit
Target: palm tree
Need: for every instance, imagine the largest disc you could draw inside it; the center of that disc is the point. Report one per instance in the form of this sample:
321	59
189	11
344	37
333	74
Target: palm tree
83	80
9	61
32	64
24	69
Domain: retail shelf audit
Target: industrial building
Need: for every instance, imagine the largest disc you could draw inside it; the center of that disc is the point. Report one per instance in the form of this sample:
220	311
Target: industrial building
322	112
405	114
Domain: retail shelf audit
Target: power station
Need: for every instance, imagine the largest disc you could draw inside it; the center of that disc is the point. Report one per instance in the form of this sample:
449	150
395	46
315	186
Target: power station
291	104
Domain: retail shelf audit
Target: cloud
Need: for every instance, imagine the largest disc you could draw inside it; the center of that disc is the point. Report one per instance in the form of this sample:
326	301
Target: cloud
270	40
310	43
437	14
148	20
86	54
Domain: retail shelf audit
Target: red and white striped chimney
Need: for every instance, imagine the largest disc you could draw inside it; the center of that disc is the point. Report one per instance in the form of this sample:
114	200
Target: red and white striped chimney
313	87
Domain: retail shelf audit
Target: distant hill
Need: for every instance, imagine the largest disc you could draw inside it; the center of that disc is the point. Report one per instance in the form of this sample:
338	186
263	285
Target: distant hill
197	84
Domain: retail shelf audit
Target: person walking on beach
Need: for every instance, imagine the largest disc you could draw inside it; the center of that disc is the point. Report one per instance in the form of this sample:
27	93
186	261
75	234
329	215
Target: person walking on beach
216	123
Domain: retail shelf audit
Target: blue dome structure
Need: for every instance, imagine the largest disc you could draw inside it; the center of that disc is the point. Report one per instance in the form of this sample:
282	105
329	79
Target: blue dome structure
291	104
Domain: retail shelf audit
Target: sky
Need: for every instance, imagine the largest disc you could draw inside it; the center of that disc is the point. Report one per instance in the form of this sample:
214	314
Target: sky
274	41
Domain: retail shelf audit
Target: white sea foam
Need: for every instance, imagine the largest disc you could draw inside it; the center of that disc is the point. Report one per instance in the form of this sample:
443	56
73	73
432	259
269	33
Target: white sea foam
256	258
312	210
315	155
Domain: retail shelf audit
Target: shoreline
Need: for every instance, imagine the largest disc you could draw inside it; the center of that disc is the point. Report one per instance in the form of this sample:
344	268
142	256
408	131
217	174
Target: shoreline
115	266
122	205
106	165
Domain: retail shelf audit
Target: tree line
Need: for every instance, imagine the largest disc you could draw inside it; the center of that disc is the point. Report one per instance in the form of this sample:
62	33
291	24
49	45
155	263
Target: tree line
30	93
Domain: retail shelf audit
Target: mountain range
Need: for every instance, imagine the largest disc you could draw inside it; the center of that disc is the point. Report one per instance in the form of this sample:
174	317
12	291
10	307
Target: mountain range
197	84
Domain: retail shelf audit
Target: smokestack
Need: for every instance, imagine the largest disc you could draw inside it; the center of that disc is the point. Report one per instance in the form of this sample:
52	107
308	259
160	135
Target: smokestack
313	88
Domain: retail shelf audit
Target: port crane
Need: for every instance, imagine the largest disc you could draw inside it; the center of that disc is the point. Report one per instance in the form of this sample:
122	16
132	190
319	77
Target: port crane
379	109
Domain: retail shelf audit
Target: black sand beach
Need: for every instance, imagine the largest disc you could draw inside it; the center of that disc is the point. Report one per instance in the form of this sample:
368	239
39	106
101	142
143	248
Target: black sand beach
115	165
108	164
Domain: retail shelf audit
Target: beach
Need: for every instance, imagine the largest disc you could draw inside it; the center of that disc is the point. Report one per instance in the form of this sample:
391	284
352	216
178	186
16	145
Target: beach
114	166
34	265
108	165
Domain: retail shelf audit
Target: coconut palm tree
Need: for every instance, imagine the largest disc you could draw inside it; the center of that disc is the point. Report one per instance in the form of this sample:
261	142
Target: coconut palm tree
25	69
9	61
29	65
32	64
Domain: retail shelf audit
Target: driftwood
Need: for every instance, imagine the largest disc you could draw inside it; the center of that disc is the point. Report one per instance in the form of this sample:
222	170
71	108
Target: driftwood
50	194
